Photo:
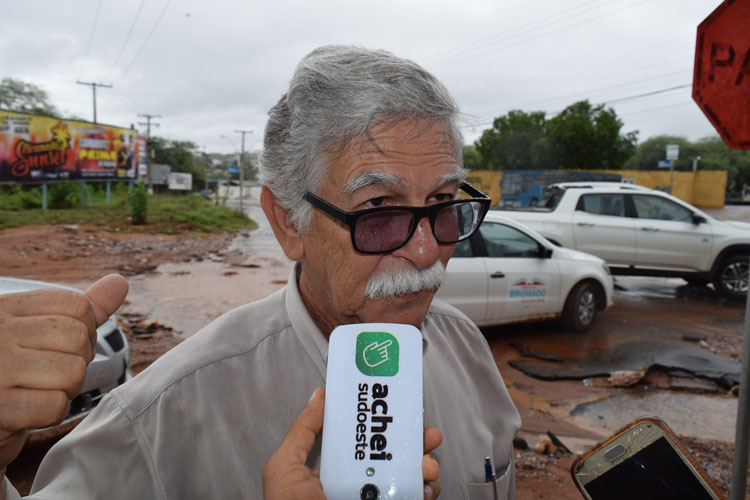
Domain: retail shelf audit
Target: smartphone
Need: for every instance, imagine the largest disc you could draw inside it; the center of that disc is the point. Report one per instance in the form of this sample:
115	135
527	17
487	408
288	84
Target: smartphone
373	429
643	461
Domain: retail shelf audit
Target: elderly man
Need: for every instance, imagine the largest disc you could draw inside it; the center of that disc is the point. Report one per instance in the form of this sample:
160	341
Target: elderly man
361	171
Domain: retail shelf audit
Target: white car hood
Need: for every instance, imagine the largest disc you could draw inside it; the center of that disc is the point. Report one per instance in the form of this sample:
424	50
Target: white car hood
743	226
571	254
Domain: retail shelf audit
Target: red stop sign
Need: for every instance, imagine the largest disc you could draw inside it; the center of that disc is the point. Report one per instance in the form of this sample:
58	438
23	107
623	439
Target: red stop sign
721	81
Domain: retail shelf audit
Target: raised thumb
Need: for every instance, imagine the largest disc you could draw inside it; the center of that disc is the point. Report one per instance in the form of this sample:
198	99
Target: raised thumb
106	295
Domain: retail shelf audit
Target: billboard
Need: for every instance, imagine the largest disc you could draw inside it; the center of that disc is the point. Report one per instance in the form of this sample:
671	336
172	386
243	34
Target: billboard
37	148
180	181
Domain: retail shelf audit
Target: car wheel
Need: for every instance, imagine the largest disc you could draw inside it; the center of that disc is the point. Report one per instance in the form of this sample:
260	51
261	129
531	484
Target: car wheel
580	308
731	278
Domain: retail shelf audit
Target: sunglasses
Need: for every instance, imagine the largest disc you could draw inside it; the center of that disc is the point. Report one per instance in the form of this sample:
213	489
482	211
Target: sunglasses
385	229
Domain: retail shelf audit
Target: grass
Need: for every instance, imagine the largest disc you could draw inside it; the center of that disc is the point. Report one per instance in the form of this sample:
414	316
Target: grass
167	214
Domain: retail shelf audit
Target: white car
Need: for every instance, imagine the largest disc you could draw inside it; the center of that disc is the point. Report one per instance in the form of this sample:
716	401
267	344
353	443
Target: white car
109	368
508	273
644	232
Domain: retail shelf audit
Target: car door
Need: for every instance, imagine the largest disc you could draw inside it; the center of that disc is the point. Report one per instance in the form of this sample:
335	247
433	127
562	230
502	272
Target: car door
667	237
467	284
600	227
522	283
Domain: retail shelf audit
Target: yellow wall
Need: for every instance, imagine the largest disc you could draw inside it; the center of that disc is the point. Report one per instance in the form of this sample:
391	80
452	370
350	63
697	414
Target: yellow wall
487	181
705	188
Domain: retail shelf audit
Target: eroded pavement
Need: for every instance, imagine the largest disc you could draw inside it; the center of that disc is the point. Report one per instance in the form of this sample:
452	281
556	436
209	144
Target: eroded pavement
663	349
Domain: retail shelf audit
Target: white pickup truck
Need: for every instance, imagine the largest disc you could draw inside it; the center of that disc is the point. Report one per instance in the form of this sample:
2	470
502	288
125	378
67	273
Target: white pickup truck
641	231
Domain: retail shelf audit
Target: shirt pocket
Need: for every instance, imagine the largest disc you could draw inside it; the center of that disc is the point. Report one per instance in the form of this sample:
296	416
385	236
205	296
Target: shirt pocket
484	491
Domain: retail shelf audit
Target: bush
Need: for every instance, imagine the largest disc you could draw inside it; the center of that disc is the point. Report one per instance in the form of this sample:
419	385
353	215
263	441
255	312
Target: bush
138	200
31	198
64	195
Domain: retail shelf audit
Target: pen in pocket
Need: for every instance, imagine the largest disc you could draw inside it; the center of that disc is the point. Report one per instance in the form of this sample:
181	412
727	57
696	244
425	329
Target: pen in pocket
489	476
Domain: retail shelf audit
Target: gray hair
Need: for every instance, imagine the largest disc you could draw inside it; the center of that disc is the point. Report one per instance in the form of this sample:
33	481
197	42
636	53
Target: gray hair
335	97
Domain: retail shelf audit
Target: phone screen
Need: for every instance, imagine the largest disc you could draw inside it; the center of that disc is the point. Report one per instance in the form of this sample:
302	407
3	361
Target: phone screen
654	473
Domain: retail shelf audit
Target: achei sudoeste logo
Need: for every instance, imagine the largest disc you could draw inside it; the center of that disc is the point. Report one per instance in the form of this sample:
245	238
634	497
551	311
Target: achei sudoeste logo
377	354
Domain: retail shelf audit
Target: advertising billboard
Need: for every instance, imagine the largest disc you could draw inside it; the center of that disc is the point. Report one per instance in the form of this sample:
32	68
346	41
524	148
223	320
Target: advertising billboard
37	149
179	181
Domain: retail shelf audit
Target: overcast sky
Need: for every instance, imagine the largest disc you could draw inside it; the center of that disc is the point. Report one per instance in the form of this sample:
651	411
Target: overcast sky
209	67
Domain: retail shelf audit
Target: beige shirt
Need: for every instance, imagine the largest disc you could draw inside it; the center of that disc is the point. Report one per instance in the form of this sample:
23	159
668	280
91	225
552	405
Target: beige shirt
202	421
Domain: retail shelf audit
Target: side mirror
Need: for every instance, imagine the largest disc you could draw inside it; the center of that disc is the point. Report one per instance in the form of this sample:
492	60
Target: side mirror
545	252
698	219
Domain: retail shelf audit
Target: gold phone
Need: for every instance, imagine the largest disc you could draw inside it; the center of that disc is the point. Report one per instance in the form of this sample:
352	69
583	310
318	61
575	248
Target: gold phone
642	461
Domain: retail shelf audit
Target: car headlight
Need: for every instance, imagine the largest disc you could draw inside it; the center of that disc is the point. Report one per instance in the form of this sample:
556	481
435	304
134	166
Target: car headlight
606	268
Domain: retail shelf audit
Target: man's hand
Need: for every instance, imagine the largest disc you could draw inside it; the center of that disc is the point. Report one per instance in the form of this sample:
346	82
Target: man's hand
47	339
287	477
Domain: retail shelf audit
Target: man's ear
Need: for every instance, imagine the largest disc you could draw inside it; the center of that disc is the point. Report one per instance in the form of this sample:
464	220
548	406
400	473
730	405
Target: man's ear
281	223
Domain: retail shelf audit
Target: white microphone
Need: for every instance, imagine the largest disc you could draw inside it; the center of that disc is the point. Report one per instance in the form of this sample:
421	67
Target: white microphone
373	422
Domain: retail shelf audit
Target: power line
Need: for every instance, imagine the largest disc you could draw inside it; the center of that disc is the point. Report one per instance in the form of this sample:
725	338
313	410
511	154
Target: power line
148	37
516	39
132	101
617	64
127	38
466	48
608	102
91	38
647	94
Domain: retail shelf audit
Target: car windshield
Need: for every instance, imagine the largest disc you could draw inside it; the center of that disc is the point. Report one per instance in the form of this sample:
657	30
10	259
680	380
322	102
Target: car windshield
555	195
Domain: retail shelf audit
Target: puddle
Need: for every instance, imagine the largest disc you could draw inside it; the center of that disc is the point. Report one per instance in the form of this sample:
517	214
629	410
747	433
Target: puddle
706	417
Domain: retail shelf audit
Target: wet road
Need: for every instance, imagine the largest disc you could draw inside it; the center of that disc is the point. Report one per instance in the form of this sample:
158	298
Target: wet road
678	346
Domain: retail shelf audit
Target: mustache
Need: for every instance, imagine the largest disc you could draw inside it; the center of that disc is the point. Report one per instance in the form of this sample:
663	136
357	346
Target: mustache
402	281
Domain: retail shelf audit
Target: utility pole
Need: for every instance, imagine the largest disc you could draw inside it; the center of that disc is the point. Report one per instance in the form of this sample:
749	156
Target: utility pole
148	151
93	86
242	163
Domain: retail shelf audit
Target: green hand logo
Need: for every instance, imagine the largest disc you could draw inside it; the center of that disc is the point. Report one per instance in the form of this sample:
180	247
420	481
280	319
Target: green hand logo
377	354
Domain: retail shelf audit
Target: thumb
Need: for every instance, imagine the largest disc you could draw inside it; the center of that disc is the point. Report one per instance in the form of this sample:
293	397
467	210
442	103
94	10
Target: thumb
106	295
300	438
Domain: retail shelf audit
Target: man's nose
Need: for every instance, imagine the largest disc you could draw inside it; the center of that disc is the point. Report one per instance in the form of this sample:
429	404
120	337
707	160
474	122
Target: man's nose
422	249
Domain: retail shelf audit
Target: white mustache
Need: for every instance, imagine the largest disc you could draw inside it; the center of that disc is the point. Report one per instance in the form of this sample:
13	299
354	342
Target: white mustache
402	281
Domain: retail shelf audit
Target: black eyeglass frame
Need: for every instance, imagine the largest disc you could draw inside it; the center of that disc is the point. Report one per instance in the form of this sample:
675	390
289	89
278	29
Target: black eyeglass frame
418	213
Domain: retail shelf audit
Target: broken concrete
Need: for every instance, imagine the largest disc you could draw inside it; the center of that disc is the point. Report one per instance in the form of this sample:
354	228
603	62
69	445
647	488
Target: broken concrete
675	356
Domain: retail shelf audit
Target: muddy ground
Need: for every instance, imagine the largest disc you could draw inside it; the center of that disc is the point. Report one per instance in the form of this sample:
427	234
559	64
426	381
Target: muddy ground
214	273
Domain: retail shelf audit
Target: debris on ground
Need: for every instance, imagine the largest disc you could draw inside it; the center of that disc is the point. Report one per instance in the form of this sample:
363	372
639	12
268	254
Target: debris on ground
148	339
626	378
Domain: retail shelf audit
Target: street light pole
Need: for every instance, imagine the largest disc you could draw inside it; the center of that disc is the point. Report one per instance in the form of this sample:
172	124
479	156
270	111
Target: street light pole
242	163
239	161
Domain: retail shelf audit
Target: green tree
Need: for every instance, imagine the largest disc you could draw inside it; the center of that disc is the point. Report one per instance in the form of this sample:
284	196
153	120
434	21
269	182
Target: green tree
517	140
716	155
648	154
180	155
472	158
589	137
16	95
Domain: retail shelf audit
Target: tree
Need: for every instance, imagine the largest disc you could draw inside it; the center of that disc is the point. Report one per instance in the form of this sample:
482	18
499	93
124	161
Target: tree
16	95
716	155
516	141
648	154
180	155
472	158
589	138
